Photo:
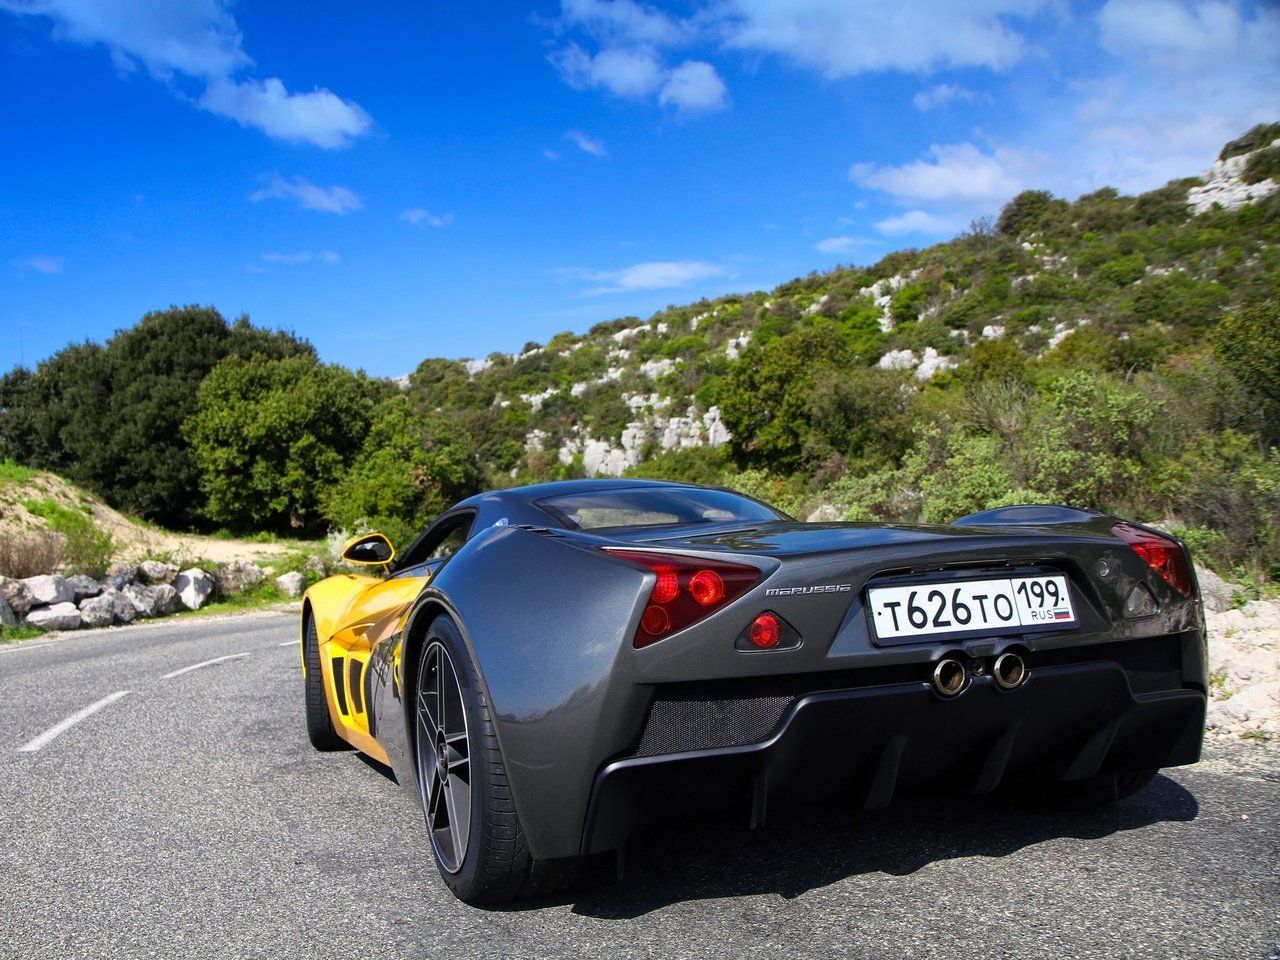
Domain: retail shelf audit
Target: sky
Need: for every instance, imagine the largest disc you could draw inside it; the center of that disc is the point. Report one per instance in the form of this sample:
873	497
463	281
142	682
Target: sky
394	181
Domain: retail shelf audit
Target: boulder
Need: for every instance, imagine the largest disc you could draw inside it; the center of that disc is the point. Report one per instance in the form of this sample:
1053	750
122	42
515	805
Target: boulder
59	616
48	590
122	609
144	600
1217	593
238	576
83	586
194	587
7	617
119	574
166	598
99	611
155	572
314	564
17	595
291	584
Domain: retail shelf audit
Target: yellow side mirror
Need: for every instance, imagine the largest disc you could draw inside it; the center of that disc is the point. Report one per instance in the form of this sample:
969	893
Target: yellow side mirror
371	549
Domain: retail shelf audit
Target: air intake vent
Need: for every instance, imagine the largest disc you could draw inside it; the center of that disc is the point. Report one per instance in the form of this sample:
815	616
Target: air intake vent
357	692
340	687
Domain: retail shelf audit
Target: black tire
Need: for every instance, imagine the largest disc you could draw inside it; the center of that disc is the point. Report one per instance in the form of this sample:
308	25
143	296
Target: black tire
495	864
1095	791
319	723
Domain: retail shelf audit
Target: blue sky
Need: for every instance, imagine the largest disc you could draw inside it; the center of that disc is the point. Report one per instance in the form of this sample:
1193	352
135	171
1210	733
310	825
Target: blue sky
395	181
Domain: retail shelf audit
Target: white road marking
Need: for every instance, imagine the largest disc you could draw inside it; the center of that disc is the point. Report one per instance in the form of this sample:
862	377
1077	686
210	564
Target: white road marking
62	727
203	663
288	643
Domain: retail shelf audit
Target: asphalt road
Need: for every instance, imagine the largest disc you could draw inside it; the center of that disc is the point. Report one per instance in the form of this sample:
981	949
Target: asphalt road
190	817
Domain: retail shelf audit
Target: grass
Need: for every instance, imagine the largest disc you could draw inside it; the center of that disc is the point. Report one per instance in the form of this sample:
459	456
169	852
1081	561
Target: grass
10	634
10	472
261	597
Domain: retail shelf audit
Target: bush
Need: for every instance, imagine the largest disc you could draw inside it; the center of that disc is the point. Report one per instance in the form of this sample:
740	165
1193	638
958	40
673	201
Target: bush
85	548
30	554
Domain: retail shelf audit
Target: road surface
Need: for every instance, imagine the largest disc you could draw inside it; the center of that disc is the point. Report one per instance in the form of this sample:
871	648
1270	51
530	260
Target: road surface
160	799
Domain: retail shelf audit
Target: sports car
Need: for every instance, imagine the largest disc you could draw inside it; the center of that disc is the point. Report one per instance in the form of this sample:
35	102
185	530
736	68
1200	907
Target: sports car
551	669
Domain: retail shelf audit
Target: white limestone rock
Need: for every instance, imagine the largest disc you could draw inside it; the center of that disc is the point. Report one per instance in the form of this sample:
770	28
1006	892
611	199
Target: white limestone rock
194	587
63	615
48	590
292	584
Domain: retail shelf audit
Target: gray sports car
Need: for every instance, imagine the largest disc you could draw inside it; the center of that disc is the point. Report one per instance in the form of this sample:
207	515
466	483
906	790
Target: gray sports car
552	669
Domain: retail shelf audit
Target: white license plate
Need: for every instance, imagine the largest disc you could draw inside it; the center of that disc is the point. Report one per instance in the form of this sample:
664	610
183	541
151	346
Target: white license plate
964	606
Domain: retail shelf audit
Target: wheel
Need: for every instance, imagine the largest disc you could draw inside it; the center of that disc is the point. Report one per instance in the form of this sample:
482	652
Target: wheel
475	831
319	722
1101	788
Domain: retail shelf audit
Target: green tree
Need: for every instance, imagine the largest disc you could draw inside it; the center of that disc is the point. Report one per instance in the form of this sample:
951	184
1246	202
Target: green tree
271	438
1248	343
109	417
408	470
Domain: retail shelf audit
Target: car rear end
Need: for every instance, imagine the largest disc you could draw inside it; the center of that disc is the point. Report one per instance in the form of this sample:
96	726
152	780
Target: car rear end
793	662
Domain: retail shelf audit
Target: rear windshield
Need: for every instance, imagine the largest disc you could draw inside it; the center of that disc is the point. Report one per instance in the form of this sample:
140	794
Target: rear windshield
652	507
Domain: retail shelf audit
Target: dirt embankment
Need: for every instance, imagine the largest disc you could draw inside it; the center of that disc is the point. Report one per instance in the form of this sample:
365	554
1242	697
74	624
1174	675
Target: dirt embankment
135	540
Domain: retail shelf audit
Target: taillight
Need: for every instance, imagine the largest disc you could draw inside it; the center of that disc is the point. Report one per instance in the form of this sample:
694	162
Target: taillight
1163	555
686	590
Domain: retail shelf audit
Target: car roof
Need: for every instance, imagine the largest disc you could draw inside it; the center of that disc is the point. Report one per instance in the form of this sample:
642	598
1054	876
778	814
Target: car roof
540	491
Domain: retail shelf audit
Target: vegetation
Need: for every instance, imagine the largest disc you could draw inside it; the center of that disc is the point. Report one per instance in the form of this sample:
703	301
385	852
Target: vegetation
1113	352
84	548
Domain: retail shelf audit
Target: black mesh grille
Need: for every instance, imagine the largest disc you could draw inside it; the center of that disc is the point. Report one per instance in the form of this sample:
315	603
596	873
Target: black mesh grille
680	723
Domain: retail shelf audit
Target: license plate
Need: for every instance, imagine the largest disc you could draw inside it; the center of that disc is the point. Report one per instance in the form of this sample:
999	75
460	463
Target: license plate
966	606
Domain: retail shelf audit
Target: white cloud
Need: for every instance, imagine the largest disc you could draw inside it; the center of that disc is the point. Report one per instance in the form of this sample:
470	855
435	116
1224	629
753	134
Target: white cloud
841	38
421	218
308	195
624	21
320	117
917	221
550	155
694	87
837	244
302	256
658	275
628	63
1186	36
942	95
199	40
633	73
40	264
586	144
957	173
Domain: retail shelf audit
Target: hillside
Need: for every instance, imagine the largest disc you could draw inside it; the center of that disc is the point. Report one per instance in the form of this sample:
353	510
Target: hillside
1122	282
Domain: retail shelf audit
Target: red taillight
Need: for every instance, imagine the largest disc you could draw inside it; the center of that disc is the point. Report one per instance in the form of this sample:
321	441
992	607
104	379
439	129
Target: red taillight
765	631
686	590
706	587
1163	555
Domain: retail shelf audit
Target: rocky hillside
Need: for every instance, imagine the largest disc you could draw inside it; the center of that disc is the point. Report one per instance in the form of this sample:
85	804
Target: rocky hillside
1139	276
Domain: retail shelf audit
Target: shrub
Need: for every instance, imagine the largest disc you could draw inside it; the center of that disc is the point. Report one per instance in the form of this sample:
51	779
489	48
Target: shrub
30	553
85	548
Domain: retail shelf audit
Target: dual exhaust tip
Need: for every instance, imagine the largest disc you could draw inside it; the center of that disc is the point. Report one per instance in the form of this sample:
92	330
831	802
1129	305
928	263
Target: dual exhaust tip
951	675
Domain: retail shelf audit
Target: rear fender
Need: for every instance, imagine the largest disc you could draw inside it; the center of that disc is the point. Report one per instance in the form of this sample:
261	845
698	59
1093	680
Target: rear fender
548	623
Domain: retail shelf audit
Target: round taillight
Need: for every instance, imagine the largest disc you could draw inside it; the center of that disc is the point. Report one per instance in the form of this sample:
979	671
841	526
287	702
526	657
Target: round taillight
655	621
706	587
764	631
668	585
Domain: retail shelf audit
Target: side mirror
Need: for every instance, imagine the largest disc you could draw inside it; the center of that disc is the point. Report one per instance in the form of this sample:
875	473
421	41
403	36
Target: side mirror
372	549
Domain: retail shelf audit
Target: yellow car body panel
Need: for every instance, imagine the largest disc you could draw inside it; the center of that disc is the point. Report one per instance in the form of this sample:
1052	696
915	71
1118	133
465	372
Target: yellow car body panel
351	614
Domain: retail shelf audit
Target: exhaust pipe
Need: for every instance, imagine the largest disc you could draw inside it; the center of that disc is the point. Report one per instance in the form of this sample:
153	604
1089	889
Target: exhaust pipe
1010	671
950	677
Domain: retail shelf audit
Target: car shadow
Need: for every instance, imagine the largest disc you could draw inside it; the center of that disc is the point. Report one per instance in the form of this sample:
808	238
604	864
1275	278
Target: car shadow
801	850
